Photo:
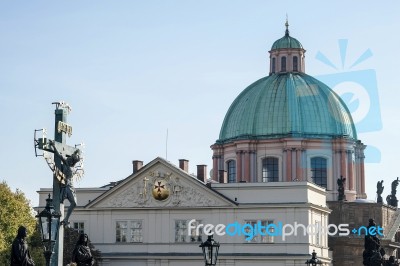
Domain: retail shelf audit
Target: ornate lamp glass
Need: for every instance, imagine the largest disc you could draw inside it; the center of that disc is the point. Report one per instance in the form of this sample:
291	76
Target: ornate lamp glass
210	251
313	261
49	222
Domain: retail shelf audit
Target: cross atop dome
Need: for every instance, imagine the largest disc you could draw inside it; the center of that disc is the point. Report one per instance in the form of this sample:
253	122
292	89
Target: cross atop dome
287	27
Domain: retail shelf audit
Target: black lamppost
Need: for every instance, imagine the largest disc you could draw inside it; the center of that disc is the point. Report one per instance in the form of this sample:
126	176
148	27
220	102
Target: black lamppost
210	251
313	261
49	222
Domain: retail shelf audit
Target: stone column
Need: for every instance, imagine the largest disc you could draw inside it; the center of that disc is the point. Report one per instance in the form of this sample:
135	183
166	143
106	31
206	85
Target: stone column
238	166
360	148
304	165
362	175
350	169
335	169
359	174
346	169
218	160
247	166
253	166
342	164
289	165
284	165
299	167
343	167
221	162
215	168
222	176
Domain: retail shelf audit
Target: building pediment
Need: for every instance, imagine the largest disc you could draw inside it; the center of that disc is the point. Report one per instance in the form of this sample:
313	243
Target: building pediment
158	185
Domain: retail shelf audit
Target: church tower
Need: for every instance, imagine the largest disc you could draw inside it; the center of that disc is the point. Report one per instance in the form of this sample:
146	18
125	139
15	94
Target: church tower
287	127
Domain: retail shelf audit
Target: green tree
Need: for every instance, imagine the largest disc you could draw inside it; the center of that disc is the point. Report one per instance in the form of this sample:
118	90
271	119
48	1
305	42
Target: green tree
15	211
36	248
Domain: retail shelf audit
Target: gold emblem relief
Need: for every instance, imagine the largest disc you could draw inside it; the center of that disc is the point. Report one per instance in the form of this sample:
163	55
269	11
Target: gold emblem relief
160	189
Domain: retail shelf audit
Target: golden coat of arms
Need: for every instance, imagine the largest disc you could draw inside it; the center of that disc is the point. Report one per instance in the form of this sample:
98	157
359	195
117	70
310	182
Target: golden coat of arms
160	189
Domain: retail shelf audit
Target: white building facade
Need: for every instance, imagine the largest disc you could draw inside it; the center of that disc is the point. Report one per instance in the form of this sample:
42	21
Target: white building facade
132	224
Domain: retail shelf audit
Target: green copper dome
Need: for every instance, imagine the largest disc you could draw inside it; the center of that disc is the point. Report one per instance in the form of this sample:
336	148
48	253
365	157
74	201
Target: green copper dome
286	42
287	105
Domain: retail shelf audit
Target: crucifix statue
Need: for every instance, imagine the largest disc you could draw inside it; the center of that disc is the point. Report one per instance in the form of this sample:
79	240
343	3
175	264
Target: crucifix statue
65	174
64	169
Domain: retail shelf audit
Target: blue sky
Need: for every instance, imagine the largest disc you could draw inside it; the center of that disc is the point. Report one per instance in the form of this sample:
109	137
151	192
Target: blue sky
133	69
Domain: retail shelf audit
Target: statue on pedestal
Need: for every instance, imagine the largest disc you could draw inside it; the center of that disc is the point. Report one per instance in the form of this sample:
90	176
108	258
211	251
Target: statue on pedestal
81	254
373	253
341	182
19	251
392	199
379	191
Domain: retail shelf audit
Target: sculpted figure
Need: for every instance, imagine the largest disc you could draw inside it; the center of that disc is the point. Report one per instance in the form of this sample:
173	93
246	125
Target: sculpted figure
373	253
379	191
19	251
392	199
67	170
395	184
341	182
81	254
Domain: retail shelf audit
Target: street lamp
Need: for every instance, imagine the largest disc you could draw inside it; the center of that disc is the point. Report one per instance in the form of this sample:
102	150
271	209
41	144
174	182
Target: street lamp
313	261
49	221
210	251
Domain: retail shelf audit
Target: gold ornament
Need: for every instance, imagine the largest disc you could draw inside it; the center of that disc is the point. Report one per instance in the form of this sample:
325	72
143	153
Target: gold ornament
160	189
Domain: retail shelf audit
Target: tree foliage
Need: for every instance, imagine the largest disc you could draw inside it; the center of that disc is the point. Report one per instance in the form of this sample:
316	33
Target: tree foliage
15	211
36	248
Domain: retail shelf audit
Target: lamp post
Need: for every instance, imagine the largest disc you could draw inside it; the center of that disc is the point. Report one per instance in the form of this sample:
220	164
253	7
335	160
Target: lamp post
49	222
313	261
210	251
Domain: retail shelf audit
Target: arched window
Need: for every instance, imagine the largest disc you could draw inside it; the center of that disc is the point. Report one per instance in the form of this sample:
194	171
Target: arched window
319	171
283	63
232	171
295	63
270	169
273	65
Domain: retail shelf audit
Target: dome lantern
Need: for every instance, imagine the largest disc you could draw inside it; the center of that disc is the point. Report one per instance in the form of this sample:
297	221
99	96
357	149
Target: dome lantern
286	54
